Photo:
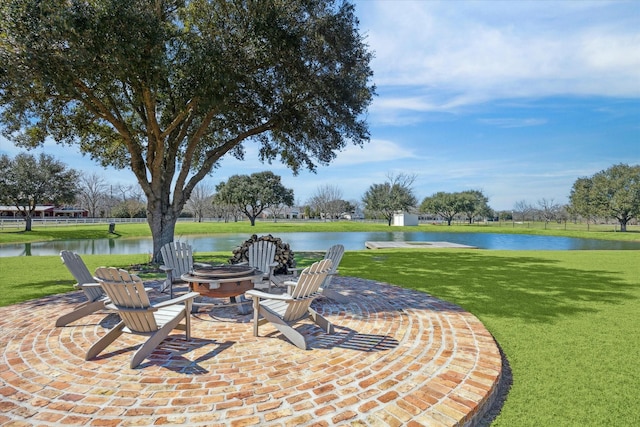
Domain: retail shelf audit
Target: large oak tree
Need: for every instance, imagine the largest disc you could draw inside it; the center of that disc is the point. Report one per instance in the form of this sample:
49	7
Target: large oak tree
446	205
27	181
167	88
613	192
252	194
393	196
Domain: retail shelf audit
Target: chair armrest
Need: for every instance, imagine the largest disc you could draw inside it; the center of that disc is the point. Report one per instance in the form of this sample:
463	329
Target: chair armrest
254	293
112	306
165	268
201	264
272	268
86	285
177	300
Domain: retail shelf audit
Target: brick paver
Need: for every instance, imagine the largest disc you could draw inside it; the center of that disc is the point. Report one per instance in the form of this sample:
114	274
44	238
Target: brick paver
398	357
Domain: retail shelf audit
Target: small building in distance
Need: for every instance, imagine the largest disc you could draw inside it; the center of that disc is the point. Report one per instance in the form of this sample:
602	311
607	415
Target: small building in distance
405	219
44	211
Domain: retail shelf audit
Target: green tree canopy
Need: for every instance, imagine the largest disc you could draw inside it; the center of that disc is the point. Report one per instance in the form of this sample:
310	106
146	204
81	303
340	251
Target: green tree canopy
167	88
26	182
580	202
446	205
614	192
394	195
474	203
252	194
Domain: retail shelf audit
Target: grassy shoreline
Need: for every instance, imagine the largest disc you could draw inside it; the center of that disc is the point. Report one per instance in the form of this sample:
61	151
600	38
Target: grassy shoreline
124	230
566	320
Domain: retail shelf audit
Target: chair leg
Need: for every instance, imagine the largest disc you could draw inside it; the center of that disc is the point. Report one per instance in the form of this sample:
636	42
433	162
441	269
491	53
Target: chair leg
188	306
321	321
168	284
83	310
285	329
154	341
104	342
256	315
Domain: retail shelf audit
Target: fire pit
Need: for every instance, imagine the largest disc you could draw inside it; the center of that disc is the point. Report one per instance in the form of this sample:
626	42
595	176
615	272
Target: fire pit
222	281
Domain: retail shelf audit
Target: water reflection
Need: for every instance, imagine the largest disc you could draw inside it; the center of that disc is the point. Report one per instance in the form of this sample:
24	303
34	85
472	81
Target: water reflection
319	242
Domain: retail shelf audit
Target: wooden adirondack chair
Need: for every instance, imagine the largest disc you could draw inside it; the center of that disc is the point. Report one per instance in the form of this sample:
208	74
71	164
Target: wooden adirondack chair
262	255
96	298
285	310
138	315
334	253
178	260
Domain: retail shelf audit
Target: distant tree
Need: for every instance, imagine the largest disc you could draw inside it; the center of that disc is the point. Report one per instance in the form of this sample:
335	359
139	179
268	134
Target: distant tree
327	201
394	195
505	215
580	199
522	208
614	192
200	202
252	194
129	202
548	210
166	89
308	212
93	194
446	205
564	214
349	206
129	208
226	211
26	182
474	203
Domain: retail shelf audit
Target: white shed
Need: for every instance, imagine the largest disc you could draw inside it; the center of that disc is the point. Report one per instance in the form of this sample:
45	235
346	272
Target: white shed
405	219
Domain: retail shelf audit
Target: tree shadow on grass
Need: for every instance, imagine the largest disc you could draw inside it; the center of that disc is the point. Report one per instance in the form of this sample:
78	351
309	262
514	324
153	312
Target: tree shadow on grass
527	287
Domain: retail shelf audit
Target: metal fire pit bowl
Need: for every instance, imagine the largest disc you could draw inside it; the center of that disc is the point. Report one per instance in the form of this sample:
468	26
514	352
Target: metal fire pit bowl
222	281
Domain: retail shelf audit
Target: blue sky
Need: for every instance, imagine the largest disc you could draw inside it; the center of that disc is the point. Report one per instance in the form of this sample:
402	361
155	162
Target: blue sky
514	98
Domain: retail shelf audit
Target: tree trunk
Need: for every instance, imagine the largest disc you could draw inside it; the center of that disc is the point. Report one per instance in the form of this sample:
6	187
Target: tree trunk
623	224
252	219
27	223
163	225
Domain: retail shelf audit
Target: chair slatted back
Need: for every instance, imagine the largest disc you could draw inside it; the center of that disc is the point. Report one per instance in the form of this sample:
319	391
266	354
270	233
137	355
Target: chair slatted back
81	273
179	256
306	289
261	254
130	298
334	253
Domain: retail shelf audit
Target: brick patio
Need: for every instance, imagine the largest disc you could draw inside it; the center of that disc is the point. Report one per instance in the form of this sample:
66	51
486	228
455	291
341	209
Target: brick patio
398	357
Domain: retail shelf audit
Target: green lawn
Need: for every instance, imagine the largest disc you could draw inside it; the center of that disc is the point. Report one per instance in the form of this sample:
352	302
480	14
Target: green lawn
567	320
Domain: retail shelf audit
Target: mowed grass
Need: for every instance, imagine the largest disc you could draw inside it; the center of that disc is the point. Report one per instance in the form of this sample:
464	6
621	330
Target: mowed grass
566	320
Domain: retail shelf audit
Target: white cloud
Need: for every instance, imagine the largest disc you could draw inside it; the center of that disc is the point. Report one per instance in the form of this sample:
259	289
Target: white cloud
507	123
377	150
462	53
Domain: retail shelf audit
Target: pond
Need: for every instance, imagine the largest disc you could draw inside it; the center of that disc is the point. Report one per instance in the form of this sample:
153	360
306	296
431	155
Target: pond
319	242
